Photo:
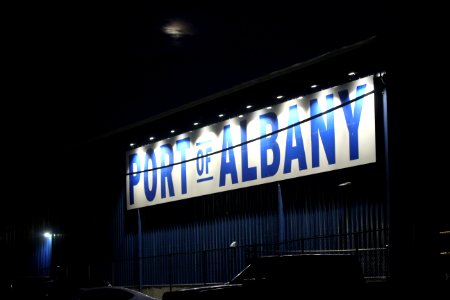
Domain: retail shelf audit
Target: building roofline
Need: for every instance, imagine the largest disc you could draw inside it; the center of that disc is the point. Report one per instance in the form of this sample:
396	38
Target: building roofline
235	89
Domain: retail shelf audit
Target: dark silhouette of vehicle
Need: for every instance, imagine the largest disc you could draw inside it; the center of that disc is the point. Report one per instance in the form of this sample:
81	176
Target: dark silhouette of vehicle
111	293
287	277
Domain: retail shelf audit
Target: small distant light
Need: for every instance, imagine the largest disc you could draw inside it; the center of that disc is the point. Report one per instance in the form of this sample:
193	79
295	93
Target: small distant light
241	116
132	144
172	131
48	235
314	86
221	115
269	107
351	74
345	183
151	138
196	123
279	97
248	106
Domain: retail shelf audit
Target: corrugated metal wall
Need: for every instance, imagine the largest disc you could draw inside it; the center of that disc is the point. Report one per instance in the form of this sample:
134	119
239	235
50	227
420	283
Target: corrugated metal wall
188	241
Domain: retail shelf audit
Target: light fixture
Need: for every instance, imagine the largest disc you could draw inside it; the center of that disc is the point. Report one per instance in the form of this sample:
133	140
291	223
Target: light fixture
172	131
269	107
380	74
280	96
221	115
151	138
351	74
241	116
132	144
314	86
345	183
248	106
47	235
196	123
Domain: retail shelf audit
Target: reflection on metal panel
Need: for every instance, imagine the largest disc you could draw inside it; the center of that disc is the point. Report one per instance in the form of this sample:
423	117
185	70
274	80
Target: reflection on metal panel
189	241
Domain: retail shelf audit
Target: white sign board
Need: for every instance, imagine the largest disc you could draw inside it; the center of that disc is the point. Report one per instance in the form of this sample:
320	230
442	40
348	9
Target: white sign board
321	132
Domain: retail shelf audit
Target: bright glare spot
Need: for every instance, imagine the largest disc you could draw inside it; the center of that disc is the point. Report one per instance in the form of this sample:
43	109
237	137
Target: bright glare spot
172	131
248	106
196	123
48	235
241	116
351	74
269	107
132	144
279	97
345	183
177	29
151	138
221	115
314	86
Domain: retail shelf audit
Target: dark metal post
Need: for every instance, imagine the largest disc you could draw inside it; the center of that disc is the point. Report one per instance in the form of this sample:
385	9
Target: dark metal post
388	177
281	221
204	267
139	248
170	271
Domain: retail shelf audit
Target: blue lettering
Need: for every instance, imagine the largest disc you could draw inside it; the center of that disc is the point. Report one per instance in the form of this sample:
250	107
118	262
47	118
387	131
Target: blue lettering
227	167
150	193
182	145
352	119
269	143
248	173
200	162
326	133
207	158
166	172
134	178
296	151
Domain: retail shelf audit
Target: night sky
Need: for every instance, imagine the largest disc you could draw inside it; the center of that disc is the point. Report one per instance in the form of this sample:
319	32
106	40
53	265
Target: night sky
91	69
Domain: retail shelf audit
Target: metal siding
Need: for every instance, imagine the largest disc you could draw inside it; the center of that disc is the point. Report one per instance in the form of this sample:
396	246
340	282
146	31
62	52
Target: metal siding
178	238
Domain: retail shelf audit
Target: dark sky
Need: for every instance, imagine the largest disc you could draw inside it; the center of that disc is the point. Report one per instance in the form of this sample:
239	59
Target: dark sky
86	69
133	70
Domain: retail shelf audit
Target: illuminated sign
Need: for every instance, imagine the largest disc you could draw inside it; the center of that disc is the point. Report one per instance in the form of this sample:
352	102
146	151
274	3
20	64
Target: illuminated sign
331	129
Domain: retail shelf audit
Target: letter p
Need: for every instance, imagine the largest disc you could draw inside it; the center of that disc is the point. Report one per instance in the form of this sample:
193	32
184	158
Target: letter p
133	178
